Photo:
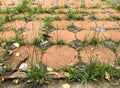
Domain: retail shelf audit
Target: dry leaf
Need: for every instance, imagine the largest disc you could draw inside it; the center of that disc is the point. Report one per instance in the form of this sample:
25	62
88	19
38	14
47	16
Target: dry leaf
107	76
66	74
53	73
16	81
66	85
2	79
71	64
49	69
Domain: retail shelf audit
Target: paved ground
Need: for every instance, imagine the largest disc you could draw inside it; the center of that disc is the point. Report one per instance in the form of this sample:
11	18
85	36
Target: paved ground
93	19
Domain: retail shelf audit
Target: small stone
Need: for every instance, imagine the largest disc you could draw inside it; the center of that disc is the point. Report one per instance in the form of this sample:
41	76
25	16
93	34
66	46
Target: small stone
100	30
45	44
76	43
16	45
23	66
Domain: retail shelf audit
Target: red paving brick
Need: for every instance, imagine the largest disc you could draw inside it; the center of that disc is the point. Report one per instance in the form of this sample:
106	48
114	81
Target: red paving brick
85	24
59	56
62	35
55	56
61	24
30	35
98	53
7	35
107	24
113	34
18	56
88	35
33	24
34	55
15	24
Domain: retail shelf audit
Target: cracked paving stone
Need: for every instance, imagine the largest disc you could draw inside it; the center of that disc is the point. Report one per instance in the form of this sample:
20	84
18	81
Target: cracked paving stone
98	53
16	60
57	57
113	34
61	34
88	35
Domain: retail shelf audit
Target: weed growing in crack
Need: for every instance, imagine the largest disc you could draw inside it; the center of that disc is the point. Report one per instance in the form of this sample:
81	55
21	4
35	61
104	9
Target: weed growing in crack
92	16
73	28
37	74
113	4
60	42
23	7
95	71
83	6
5	70
74	16
113	18
109	43
48	24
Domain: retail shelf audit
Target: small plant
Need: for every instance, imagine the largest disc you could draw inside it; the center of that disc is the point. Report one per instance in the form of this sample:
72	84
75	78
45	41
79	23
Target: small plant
95	71
83	6
74	16
37	74
73	28
5	69
60	42
48	24
112	18
24	6
94	41
96	6
57	18
18	39
82	45
110	44
92	16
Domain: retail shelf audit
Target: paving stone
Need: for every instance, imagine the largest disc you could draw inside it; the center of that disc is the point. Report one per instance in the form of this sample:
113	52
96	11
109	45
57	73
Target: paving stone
91	3
15	24
7	35
27	54
98	53
107	24
102	15
57	57
44	15
113	34
85	24
62	34
62	16
33	24
30	35
88	35
18	56
34	56
63	24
